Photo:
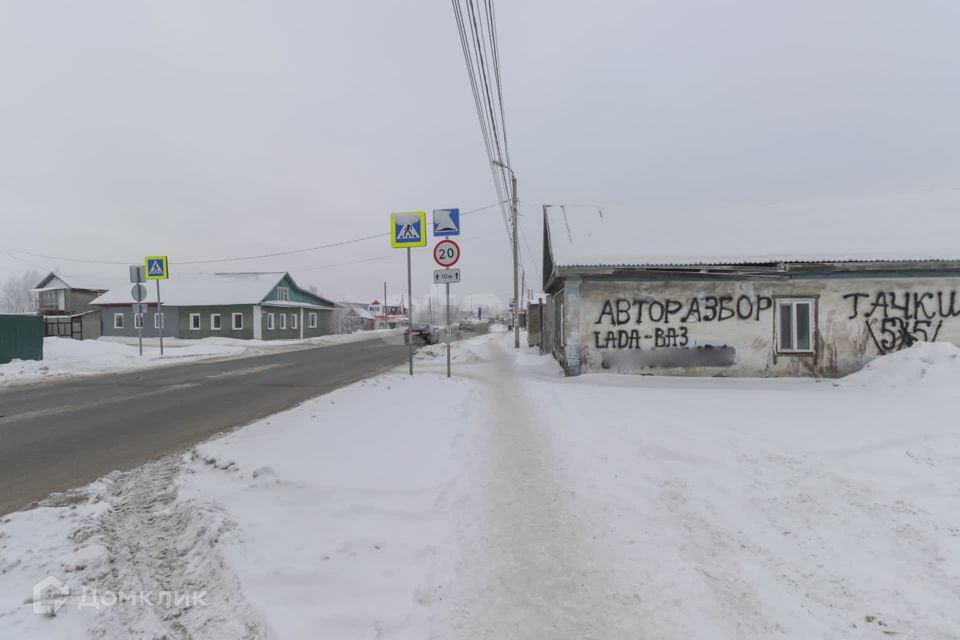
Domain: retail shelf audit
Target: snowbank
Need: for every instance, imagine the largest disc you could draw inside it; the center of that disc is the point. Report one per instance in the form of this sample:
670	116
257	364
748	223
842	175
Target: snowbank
510	501
65	357
927	364
460	352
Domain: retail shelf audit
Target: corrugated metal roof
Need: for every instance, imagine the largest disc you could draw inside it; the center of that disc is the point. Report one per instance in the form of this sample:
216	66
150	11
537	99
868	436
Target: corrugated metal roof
898	228
761	260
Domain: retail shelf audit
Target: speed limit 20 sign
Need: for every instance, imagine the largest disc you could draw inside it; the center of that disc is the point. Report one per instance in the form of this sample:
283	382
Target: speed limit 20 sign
446	253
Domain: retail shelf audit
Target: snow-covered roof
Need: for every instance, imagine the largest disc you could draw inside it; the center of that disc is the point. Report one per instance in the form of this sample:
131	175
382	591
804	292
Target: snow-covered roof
293	304
901	227
363	313
78	281
186	290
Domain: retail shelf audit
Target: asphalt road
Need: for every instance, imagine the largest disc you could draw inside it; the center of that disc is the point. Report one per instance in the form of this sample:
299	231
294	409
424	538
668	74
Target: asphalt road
59	435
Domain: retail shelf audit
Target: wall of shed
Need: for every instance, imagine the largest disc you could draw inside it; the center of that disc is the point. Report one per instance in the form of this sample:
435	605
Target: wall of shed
91	325
727	328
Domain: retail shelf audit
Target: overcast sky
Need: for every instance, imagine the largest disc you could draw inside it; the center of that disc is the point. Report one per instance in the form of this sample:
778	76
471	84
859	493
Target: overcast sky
210	129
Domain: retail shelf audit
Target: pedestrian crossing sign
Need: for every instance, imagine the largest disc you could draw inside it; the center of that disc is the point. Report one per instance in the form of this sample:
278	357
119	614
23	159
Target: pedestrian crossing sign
408	229
156	267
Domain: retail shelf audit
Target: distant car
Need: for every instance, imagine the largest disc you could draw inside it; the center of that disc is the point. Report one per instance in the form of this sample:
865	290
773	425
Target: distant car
423	332
466	325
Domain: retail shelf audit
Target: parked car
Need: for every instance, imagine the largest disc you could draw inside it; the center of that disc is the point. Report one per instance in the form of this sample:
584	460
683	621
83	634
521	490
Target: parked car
467	325
423	332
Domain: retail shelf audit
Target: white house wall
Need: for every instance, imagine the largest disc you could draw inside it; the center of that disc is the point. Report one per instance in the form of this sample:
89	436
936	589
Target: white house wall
728	327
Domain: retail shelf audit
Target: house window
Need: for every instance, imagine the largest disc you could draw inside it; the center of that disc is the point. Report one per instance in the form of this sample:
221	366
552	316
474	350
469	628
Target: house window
270	321
283	293
283	321
795	325
118	321
294	320
237	321
215	321
48	299
138	321
158	322
312	319
194	322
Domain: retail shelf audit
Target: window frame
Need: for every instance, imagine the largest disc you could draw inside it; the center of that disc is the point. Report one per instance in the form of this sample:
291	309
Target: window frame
138	321
199	322
270	321
792	302
236	326
218	325
159	322
118	321
283	293
294	320
52	299
283	322
312	320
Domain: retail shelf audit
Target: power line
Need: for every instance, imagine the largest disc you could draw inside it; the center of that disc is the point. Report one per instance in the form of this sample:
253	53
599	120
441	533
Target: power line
331	245
474	45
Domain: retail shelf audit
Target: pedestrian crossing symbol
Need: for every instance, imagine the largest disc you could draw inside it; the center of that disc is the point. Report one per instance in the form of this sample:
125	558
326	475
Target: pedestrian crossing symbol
408	229
156	267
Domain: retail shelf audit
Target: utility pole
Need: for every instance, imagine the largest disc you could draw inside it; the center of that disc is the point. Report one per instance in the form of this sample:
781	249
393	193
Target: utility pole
516	254
516	267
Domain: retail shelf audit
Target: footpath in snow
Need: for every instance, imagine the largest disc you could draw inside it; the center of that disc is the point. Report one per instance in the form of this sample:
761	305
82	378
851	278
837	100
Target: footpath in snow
511	502
64	357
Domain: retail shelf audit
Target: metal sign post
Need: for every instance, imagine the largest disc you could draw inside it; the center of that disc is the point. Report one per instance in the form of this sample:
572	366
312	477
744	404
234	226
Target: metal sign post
160	317
157	268
410	314
446	253
449	336
408	229
139	293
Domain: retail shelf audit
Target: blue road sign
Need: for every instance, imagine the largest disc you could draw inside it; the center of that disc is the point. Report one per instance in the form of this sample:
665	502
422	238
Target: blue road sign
156	267
446	222
408	229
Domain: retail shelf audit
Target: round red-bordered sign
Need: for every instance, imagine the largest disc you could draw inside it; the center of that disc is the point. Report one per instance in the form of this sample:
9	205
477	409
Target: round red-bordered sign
446	253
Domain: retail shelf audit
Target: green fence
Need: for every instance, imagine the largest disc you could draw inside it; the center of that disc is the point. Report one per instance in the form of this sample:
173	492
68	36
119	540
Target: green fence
21	337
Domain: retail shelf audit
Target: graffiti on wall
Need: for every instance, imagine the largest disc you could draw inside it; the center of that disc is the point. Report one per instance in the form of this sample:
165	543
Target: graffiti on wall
642	316
658	332
898	320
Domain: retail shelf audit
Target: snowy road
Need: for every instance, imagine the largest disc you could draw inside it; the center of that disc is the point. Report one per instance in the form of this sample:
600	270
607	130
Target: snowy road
59	435
512	503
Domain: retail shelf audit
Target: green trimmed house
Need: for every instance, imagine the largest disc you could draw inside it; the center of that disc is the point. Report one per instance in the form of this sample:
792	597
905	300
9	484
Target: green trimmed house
249	306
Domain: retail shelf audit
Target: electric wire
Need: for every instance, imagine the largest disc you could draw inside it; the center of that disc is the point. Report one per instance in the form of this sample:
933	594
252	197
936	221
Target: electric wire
275	254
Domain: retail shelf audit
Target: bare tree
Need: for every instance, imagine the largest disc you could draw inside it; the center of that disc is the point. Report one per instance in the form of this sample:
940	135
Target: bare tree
16	295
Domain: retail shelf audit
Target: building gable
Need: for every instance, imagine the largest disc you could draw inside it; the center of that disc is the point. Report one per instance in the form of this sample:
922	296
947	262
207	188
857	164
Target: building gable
52	281
295	293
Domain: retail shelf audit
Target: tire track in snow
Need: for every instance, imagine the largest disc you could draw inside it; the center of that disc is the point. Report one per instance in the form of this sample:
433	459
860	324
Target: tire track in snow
157	543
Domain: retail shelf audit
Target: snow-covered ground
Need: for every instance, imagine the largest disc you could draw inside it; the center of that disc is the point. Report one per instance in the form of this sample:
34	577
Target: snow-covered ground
510	502
63	357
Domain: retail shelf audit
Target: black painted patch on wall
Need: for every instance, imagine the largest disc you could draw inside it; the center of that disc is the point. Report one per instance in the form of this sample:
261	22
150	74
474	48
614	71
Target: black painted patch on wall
703	356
